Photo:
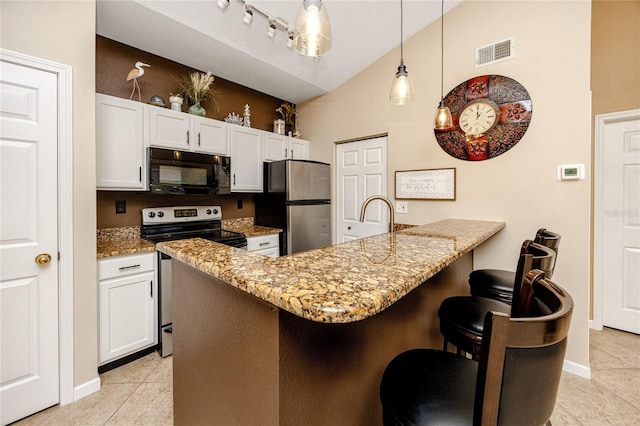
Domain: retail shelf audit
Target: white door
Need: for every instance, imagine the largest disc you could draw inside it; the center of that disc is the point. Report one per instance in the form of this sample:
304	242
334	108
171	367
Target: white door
28	234
621	226
361	172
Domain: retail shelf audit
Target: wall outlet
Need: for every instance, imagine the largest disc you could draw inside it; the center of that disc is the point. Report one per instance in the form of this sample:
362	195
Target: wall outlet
121	206
401	207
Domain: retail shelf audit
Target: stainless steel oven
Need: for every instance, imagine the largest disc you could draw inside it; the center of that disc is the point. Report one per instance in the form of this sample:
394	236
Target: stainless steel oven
177	223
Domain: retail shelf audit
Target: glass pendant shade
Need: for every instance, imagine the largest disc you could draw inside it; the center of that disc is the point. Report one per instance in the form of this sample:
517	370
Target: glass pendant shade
313	30
443	120
402	88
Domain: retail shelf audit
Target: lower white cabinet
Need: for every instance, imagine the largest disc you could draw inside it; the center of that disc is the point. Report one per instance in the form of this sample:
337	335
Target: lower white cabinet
127	305
267	245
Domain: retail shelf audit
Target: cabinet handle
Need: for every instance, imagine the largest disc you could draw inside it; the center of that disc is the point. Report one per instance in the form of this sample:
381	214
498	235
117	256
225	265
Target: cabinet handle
265	244
285	153
124	268
291	152
234	178
151	289
198	138
187	137
140	173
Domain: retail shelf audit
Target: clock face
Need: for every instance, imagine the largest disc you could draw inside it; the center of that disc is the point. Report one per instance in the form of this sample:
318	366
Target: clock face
478	117
491	113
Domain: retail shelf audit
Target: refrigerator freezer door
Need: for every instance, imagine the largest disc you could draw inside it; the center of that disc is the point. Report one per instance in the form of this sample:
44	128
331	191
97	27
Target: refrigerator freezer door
308	180
308	227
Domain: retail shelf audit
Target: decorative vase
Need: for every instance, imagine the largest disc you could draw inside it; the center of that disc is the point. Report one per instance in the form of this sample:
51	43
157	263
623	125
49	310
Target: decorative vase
278	126
196	109
176	103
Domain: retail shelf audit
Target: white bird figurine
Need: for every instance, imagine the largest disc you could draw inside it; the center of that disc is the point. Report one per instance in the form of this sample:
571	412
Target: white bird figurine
133	75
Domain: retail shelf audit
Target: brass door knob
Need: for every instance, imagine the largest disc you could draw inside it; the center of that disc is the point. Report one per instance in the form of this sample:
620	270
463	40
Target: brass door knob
43	259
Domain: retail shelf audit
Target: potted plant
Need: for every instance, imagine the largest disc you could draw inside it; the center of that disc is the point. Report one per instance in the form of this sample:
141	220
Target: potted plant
198	88
289	114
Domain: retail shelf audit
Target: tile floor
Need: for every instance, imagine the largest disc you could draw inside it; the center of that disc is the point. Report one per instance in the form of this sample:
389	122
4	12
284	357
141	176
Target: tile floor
140	393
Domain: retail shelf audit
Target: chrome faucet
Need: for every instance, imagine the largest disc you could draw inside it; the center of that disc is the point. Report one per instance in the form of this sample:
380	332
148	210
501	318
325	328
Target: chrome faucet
386	200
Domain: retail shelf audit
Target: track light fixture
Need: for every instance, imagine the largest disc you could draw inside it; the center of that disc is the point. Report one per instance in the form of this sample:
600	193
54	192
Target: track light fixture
272	28
223	4
290	38
248	14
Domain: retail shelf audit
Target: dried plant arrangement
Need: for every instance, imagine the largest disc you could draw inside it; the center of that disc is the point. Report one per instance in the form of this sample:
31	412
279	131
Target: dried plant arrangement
198	87
288	113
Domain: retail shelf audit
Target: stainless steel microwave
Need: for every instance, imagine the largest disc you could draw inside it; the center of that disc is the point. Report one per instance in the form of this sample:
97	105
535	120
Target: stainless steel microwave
181	172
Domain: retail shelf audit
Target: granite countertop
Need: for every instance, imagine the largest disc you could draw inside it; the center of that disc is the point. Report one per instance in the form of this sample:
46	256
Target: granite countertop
246	226
120	241
341	283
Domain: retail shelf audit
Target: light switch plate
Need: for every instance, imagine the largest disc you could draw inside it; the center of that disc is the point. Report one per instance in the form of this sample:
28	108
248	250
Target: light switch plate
401	207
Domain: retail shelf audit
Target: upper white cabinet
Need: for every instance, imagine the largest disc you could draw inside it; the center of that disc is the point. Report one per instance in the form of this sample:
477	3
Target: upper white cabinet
181	131
120	154
246	159
281	147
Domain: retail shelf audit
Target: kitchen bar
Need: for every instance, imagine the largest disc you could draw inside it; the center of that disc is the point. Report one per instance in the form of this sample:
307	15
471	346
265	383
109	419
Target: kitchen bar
303	339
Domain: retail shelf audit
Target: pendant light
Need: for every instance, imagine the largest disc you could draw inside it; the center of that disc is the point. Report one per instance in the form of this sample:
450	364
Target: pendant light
313	30
443	120
401	89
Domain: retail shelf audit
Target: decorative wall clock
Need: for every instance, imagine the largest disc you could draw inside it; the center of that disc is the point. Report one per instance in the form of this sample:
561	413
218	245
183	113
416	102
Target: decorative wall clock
490	113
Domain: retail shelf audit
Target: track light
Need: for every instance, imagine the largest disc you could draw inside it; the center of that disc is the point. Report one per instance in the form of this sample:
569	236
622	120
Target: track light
248	14
289	38
222	4
272	28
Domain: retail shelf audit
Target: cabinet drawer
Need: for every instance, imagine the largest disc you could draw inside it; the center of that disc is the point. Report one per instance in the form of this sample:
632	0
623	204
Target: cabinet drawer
271	252
121	266
262	242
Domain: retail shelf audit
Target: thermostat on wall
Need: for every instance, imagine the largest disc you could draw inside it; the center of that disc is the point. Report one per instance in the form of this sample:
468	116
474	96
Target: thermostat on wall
571	172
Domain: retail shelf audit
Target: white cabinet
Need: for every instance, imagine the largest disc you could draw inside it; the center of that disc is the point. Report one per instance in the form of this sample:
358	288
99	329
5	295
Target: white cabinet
127	305
267	245
281	147
185	132
246	159
120	154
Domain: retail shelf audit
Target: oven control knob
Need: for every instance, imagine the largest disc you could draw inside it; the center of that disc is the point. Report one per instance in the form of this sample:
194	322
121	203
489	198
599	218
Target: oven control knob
160	214
208	211
215	211
151	215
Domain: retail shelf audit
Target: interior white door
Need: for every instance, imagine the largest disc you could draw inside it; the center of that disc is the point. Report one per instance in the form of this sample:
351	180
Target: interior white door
28	242
361	173
621	225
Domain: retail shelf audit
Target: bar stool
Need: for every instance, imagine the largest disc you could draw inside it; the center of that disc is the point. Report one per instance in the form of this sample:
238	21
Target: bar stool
498	284
515	382
462	317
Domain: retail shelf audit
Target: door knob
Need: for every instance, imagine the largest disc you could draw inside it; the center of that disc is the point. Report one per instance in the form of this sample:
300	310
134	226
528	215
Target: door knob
43	259
349	228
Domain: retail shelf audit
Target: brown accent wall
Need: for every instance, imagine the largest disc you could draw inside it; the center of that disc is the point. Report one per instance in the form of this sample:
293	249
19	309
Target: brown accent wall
615	55
136	201
114	61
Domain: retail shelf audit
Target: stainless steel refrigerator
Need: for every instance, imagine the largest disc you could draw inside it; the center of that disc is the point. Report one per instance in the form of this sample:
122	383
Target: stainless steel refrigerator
297	199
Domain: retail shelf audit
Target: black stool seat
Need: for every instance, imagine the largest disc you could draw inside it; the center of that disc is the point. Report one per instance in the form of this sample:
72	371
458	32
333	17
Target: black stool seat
413	385
501	284
462	320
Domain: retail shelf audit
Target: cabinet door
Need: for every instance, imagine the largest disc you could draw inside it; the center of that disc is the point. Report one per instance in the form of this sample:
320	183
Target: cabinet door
210	136
298	149
120	152
275	147
126	315
246	159
169	129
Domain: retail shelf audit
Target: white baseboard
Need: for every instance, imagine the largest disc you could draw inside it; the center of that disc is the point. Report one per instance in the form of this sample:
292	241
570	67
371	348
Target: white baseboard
86	389
577	369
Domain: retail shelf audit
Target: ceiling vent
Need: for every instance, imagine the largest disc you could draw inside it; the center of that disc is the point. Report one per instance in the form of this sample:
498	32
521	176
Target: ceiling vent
496	52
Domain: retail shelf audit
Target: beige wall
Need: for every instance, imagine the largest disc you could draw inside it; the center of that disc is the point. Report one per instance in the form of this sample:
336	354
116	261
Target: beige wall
518	187
64	32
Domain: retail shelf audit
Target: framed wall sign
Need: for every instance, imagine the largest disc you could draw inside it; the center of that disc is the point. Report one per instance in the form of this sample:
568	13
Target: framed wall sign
429	184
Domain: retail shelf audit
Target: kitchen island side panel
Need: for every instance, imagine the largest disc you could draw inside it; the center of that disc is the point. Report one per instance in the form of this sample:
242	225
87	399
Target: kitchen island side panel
225	359
330	373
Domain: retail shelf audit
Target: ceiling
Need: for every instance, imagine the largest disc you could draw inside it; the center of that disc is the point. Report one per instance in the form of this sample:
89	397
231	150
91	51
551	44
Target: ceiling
200	35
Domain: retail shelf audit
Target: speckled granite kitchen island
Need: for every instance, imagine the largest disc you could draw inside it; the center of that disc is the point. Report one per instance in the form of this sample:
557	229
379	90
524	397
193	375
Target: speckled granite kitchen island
304	339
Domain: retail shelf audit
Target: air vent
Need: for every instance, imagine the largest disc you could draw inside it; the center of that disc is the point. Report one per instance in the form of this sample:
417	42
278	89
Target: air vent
496	52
